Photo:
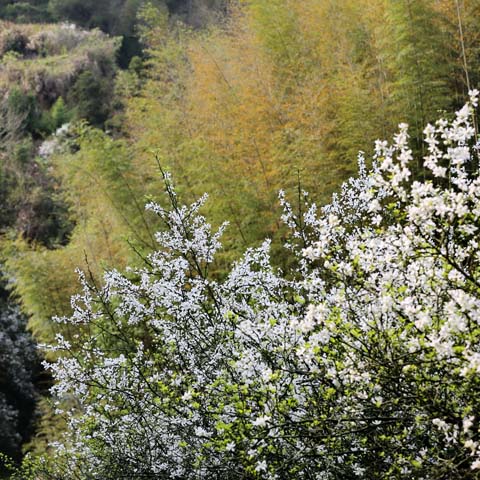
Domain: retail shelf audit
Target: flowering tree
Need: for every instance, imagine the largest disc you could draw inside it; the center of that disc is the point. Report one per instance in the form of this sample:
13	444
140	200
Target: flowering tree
363	361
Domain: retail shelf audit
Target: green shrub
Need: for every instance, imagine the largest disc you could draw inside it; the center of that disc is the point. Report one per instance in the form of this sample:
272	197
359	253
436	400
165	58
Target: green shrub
13	41
24	107
91	97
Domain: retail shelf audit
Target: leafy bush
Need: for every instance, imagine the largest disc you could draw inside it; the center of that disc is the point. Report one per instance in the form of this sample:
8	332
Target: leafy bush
363	361
23	105
91	96
59	114
60	40
12	41
52	120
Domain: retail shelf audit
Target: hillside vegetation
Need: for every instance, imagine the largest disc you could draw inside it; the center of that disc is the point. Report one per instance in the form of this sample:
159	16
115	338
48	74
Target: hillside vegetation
47	59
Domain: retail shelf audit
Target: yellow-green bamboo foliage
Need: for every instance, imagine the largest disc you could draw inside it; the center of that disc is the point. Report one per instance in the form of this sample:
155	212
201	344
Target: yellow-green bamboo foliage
257	105
283	92
461	19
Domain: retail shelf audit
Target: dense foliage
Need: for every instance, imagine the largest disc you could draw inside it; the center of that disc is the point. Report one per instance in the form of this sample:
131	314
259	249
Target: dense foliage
240	99
361	361
117	17
42	66
20	369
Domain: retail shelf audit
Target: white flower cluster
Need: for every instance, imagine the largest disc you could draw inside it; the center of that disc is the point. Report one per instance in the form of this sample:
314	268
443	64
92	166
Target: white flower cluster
364	362
54	144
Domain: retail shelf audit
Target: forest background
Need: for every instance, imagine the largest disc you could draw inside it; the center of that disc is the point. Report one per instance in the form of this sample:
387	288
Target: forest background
237	99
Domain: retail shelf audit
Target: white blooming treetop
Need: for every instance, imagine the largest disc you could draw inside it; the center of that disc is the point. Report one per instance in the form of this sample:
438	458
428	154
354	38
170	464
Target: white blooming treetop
363	361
